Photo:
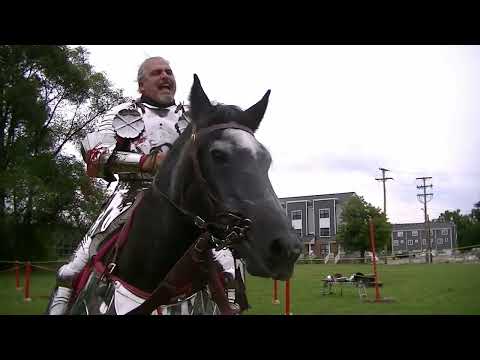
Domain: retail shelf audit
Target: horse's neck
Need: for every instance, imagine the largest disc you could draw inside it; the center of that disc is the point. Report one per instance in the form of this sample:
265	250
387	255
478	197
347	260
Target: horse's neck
159	236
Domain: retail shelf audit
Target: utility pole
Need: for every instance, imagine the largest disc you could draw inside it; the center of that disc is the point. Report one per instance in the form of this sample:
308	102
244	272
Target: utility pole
383	179
424	201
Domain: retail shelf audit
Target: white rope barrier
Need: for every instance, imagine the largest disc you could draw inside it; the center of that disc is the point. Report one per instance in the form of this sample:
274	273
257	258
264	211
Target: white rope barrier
33	262
380	257
43	268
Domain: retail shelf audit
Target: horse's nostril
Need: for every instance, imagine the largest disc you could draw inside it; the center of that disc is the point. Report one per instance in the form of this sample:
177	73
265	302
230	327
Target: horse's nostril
276	247
297	249
281	250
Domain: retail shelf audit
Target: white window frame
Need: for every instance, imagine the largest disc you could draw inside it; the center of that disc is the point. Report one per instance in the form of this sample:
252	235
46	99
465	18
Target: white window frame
399	234
320	220
297	211
414	233
319	210
401	241
320	232
395	242
409	242
444	232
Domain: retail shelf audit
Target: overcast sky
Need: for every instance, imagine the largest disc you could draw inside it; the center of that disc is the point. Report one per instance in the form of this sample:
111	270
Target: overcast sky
338	113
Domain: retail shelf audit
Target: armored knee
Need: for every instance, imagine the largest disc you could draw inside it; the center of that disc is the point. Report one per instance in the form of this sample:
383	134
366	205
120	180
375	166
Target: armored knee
68	272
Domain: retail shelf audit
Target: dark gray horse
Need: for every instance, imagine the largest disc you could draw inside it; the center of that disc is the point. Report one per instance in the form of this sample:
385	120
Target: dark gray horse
216	170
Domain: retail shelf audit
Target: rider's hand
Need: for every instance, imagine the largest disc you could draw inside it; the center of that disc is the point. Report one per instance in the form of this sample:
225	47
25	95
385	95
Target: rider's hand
151	162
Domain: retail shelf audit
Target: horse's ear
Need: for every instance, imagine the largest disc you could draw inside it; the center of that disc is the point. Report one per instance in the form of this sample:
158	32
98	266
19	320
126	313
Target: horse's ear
256	112
199	102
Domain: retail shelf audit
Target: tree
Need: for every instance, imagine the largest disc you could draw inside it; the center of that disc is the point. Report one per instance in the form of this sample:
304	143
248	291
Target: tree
467	225
475	214
354	230
49	96
471	236
462	224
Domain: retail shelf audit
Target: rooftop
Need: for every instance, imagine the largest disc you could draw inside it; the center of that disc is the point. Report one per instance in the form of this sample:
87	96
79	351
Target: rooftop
339	196
433	225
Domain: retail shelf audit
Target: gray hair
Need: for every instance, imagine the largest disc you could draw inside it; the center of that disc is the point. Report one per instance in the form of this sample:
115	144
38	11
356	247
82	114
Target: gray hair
141	69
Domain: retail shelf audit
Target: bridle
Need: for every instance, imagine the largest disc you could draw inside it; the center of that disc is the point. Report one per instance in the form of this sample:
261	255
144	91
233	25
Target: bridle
234	227
213	234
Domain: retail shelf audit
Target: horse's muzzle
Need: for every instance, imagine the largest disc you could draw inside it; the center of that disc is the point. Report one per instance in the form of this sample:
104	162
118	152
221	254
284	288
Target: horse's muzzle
277	259
282	254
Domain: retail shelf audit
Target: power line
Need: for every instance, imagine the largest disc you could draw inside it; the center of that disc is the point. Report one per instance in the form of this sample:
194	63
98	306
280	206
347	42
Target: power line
439	173
427	229
384	179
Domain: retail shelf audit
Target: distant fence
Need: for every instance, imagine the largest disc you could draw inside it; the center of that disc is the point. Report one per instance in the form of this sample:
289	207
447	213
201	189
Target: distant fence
16	267
458	255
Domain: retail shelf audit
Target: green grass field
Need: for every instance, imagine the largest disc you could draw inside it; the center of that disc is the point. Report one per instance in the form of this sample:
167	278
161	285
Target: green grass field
417	289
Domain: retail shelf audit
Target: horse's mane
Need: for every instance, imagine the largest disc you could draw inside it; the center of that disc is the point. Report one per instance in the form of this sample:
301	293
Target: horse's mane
222	113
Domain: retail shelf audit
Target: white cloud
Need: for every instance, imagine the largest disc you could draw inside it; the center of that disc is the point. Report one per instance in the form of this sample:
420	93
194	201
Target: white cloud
338	113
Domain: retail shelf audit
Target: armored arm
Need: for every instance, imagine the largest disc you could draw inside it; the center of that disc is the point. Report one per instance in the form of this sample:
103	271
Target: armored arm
100	151
103	160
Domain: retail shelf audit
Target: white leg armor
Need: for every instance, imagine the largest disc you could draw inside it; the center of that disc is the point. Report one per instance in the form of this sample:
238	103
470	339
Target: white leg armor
109	219
225	258
59	301
67	273
65	276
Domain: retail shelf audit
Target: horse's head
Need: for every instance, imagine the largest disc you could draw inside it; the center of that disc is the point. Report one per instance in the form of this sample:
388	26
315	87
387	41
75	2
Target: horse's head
229	165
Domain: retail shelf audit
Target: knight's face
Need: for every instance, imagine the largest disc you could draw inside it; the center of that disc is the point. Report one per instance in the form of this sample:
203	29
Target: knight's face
159	82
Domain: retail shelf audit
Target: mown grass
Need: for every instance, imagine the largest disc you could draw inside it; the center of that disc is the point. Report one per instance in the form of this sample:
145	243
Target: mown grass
416	289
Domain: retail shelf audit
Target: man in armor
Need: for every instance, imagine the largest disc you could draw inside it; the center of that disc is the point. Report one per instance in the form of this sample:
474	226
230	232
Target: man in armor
131	141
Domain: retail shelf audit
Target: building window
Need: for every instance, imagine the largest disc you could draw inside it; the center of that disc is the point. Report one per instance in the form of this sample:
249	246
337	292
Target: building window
414	233
324	222
297	215
324	213
440	241
410	242
395	242
444	231
401	241
416	241
324	231
399	233
297	221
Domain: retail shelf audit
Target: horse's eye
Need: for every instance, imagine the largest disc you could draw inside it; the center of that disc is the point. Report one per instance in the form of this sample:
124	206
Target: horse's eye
219	156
